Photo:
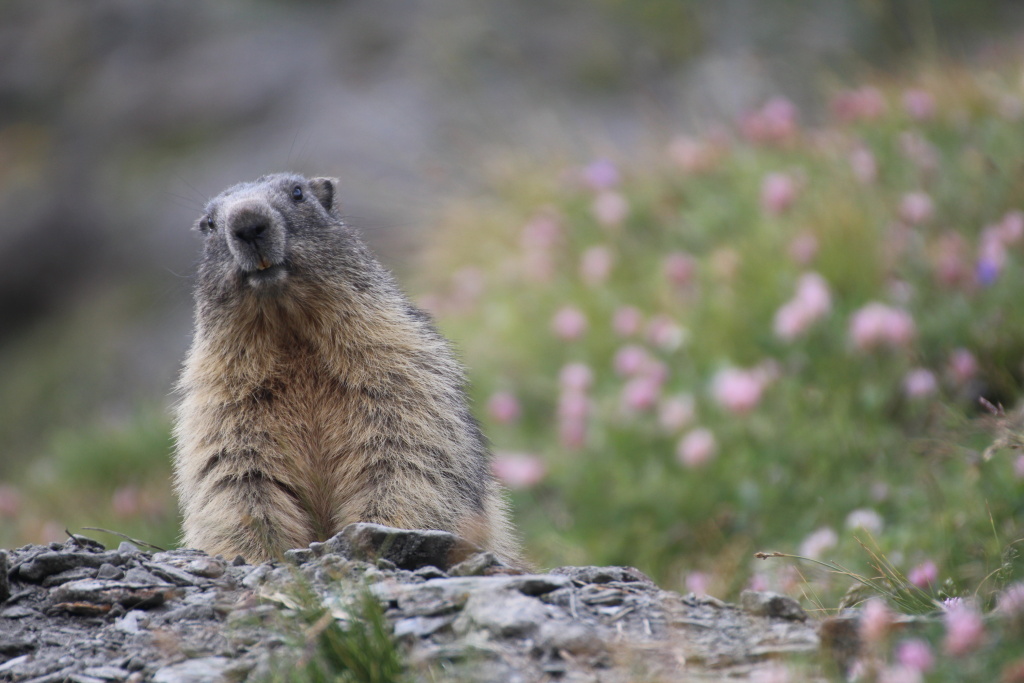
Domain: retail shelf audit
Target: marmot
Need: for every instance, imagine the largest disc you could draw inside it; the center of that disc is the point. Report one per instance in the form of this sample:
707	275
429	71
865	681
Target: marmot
315	394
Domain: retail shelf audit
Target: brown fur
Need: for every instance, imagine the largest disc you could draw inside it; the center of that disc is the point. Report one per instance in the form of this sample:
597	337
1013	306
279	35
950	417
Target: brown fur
315	395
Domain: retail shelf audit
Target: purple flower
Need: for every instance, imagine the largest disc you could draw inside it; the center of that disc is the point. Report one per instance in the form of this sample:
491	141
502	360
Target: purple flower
600	175
919	104
986	272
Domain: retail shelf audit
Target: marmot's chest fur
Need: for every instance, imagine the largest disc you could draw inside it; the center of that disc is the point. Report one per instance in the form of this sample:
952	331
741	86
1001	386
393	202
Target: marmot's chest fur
315	395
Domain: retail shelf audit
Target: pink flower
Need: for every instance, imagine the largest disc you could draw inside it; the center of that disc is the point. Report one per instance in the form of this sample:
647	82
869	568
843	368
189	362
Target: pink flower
569	323
875	621
758	582
698	582
692	155
641	393
919	104
812	301
1011	601
600	175
630	360
950	259
1011	228
813	292
572	434
503	407
675	412
775	122
679	268
803	248
963	366
736	390
772	673
876	325
543	231
924	574
897	673
791	321
126	502
576	377
863	104
10	501
610	209
919	383
915	654
665	333
1018	467
919	151
964	629
627	321
573	405
596	265
863	164
778	192
518	470
916	208
866	519
815	545
697	448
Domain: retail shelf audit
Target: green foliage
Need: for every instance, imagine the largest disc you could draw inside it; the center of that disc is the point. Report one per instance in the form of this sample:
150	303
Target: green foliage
361	649
863	413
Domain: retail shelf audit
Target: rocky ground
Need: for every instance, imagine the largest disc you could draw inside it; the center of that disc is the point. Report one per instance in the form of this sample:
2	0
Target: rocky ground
79	612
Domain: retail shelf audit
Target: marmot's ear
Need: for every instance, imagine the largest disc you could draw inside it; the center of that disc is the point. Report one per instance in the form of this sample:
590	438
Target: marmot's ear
325	190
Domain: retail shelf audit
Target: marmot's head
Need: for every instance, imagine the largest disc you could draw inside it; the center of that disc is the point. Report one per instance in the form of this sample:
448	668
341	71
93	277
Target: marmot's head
282	228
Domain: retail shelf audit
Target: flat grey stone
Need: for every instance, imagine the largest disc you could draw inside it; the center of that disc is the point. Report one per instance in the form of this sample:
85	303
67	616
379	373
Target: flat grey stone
48	563
109	572
504	613
768	604
298	556
200	670
98	592
5	586
603	574
406	548
477	564
70	575
141	576
207	567
171	574
17	612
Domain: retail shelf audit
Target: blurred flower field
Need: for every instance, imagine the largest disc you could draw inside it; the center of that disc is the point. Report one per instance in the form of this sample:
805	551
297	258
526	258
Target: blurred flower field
775	336
770	337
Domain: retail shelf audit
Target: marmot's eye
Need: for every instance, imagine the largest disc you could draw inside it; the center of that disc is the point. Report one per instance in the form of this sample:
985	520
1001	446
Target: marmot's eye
208	223
297	194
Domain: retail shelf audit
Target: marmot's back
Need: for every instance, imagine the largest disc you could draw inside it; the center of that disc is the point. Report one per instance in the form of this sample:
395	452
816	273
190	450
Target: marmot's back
315	394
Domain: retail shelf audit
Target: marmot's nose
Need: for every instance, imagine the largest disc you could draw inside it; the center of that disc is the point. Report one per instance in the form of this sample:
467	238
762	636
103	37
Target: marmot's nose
250	231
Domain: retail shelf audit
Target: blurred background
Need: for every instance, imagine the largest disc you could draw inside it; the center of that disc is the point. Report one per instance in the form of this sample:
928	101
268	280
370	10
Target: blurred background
664	157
